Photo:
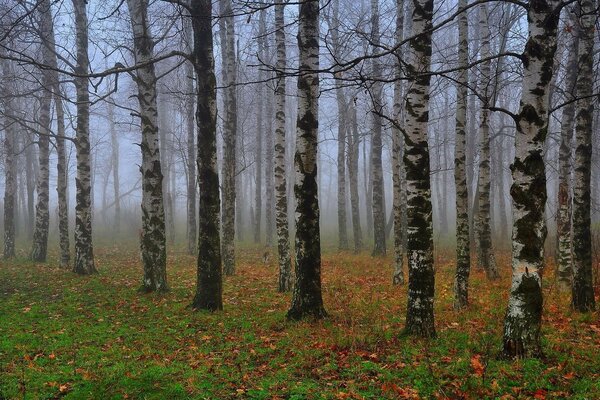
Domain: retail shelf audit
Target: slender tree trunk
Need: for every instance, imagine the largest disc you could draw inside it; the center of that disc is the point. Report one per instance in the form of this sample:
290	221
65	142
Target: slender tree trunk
62	182
421	277
353	145
563	224
397	150
209	289
39	248
269	166
10	162
114	145
229	135
343	125
84	250
30	173
283	238
483	218
307	300
153	236
379	247
524	314
463	237
583	288
260	126
191	149
368	183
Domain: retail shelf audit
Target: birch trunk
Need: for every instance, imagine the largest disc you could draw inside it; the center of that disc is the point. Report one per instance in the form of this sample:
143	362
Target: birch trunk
114	145
379	247
342	106
281	221
39	248
10	162
523	317
397	149
229	135
153	235
421	277
192	227
583	288
62	182
463	237
484	231
84	250
353	146
563	224
307	299
260	126
209	289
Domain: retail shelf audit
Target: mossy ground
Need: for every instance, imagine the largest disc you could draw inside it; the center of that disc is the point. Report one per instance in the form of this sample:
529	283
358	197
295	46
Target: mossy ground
97	337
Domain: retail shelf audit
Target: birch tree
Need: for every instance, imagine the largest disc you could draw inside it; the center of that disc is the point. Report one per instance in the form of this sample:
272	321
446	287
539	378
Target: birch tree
563	221
84	250
421	277
397	165
524	313
10	162
379	247
153	236
209	288
191	145
281	218
39	248
227	27
484	231
307	300
352	161
463	242
583	288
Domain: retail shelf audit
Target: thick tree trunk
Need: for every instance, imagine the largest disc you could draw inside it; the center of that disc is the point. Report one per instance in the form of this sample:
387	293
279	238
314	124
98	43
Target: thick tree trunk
421	277
229	135
209	290
10	162
352	160
563	222
39	248
463	237
379	247
84	250
307	299
153	236
483	218
524	314
397	150
583	288
283	236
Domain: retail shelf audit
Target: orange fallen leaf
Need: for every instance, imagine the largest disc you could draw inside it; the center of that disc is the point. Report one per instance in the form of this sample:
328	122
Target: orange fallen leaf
476	364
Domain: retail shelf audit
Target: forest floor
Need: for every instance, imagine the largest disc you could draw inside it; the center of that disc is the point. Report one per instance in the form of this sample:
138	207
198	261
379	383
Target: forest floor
96	337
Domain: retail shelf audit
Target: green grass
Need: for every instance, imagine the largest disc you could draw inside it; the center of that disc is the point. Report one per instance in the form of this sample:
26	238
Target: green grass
65	336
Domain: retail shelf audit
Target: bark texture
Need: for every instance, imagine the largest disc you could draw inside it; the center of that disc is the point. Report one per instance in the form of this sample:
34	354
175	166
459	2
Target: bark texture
583	288
153	236
379	246
564	270
352	160
397	164
281	221
84	250
421	277
485	253
307	299
209	289
463	242
10	162
229	135
523	317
